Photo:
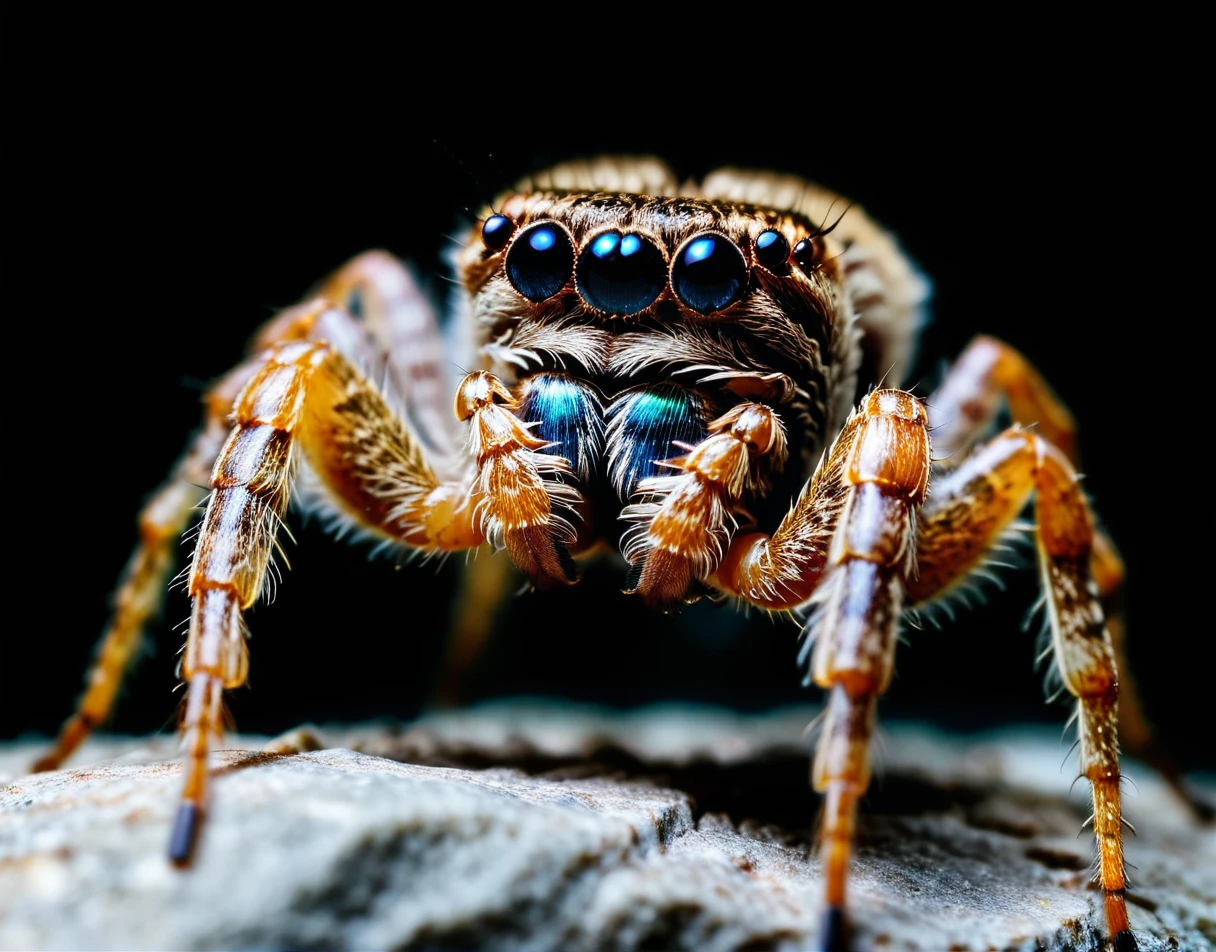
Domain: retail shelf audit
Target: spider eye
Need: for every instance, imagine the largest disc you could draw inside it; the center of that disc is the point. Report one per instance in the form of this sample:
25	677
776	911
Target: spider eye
540	261
806	255
620	273
709	273
496	232
772	250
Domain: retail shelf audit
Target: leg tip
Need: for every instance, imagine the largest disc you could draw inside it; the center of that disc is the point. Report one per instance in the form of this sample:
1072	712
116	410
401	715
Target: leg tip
1126	942
185	834
834	933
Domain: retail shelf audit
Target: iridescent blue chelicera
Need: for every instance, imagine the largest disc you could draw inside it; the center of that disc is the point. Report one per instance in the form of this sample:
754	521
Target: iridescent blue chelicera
709	273
643	427
540	261
620	274
570	419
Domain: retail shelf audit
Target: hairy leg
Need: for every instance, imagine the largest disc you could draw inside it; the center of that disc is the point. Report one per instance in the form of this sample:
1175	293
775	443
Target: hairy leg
142	587
848	541
307	399
968	509
409	356
961	411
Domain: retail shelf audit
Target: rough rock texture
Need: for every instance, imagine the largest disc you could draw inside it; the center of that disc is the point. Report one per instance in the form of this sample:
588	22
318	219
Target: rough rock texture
517	827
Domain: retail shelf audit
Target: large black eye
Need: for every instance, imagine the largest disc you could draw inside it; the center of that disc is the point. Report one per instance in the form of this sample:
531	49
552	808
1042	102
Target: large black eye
540	261
496	232
772	250
709	273
620	274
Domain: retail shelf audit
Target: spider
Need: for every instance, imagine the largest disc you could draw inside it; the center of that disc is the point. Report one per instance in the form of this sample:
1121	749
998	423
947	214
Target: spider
702	378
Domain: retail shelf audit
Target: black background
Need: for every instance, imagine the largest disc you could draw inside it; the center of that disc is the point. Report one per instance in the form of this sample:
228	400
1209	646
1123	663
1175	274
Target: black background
151	240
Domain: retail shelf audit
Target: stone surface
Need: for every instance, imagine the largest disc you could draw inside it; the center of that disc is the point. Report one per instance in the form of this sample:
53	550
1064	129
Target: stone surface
534	827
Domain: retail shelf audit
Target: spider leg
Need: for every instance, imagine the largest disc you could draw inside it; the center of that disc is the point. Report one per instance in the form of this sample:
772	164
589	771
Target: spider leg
684	528
384	296
162	520
849	542
884	477
306	397
485	585
141	589
960	411
964	406
969	507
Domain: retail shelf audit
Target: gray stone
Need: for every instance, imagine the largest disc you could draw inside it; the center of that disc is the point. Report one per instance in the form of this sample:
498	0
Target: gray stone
546	827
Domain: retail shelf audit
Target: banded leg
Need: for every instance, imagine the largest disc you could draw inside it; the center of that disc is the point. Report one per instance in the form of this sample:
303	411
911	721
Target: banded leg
969	508
884	477
374	471
960	411
848	541
140	591
683	530
966	403
304	396
142	587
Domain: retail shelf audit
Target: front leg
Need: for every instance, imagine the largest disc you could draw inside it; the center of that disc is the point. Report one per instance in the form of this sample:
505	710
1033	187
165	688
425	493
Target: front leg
849	542
306	396
885	477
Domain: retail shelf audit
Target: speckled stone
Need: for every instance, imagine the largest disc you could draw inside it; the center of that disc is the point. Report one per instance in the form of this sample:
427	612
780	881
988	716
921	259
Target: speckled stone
522	827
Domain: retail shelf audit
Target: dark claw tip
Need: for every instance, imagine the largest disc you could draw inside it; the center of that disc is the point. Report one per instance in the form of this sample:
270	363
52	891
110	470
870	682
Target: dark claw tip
833	936
185	834
1126	942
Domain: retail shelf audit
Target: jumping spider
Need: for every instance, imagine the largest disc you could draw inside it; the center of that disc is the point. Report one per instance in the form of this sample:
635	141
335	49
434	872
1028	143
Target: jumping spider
662	368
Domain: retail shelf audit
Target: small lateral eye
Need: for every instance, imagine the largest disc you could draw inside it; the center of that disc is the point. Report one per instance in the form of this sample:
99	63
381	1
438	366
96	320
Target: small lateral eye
496	232
620	273
540	261
709	273
772	250
806	255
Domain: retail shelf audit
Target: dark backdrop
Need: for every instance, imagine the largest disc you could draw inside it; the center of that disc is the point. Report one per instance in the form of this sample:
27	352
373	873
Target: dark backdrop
153	245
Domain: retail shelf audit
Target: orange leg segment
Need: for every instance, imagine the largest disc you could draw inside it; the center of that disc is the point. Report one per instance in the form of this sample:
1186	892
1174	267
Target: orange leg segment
969	507
683	529
966	403
162	521
142	587
884	478
960	411
304	396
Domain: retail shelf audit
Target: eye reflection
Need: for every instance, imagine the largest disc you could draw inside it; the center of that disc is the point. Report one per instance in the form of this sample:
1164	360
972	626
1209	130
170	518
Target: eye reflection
496	232
620	274
540	260
709	273
772	250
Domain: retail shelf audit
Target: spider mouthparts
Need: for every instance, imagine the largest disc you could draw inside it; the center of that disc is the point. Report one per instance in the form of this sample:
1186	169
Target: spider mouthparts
185	833
833	935
1126	942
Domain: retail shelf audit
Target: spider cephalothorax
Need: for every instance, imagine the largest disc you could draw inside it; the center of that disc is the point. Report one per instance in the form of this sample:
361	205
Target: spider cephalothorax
683	372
